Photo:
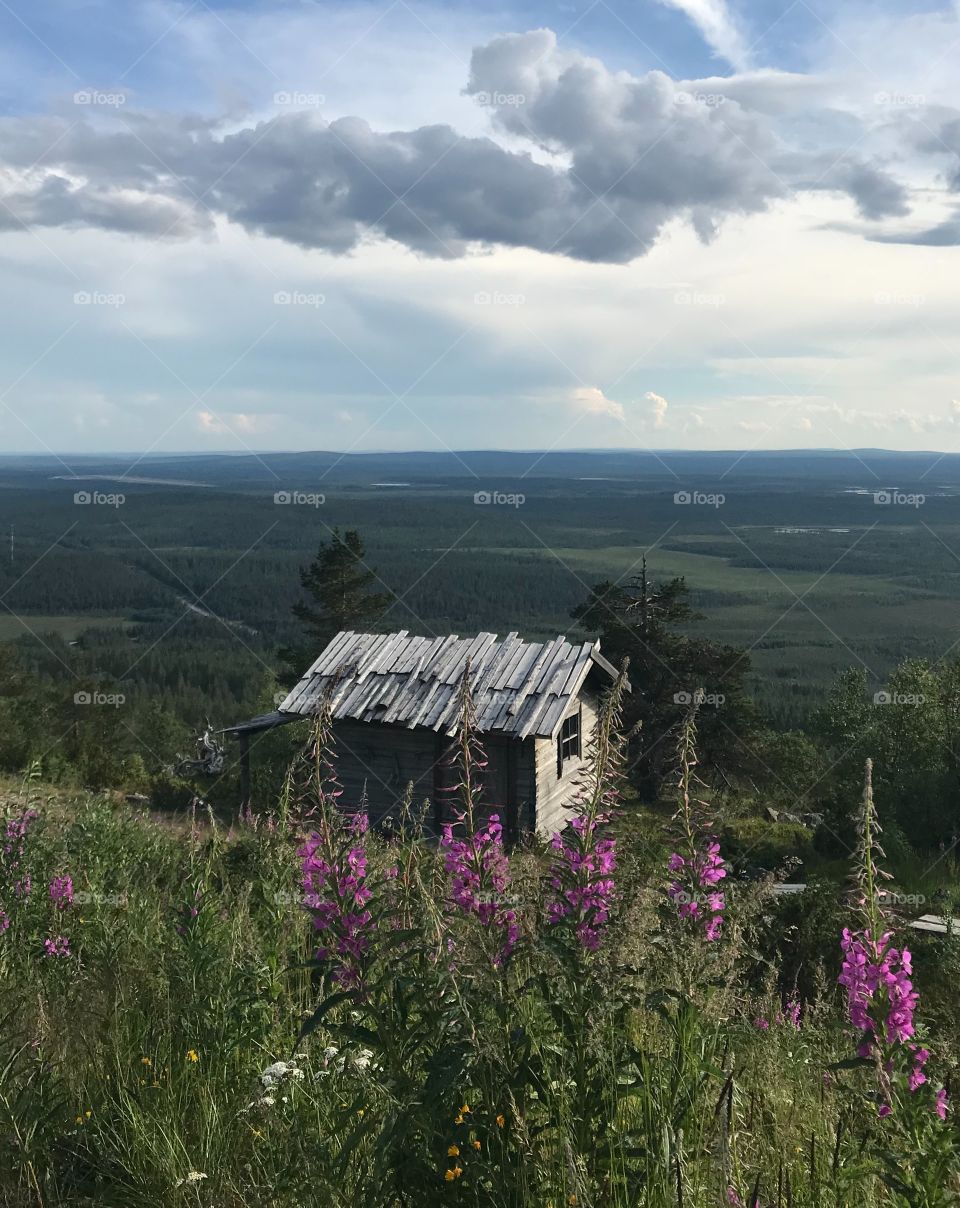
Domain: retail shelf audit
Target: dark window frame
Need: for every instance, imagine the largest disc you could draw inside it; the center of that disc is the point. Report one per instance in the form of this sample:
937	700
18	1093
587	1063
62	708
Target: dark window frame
569	740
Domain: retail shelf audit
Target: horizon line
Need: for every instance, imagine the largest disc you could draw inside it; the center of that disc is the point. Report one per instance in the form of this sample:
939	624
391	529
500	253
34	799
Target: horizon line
54	455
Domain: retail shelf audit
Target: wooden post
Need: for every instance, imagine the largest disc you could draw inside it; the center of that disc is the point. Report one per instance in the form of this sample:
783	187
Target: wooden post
244	740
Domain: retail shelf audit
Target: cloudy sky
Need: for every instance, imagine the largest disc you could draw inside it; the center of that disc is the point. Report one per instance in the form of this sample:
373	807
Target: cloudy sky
406	225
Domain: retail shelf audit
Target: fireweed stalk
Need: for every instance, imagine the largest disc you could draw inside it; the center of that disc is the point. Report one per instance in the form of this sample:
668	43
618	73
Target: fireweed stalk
15	881
697	867
881	1000
474	857
334	864
61	891
13	849
583	863
336	894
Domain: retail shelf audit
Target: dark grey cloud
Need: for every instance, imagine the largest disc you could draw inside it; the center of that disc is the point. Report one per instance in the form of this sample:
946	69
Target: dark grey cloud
939	136
610	159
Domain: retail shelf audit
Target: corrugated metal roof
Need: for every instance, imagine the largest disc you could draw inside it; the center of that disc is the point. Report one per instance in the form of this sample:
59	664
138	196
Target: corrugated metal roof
520	688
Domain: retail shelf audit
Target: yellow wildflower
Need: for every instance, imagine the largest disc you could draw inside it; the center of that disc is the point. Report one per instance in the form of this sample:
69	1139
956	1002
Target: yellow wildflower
501	1121
453	1151
476	1145
458	1119
193	1055
455	1173
145	1061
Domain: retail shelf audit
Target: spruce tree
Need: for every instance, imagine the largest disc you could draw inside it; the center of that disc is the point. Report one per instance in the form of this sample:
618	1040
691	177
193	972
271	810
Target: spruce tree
338	585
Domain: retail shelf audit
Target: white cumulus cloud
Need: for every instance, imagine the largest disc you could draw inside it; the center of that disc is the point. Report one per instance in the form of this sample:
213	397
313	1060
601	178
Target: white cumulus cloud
659	407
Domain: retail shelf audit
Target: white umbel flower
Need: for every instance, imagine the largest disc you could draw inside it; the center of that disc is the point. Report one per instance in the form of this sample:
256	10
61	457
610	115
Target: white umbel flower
192	1178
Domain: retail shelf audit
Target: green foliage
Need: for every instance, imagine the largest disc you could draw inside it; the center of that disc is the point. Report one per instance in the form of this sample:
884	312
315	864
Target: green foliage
909	728
339	589
757	843
646	623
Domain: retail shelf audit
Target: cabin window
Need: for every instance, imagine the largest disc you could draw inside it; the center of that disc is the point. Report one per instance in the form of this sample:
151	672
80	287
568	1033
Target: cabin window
568	741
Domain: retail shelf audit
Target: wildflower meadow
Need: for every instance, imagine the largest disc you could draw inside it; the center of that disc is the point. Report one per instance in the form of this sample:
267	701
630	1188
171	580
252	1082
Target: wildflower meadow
298	1008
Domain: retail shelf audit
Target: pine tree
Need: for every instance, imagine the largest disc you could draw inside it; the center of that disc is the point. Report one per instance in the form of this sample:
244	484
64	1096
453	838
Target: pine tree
338	583
652	624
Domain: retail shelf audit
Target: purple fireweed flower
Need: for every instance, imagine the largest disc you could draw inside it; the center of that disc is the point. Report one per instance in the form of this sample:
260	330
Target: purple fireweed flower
916	1078
941	1103
61	891
57	946
15	832
479	872
581	876
790	1014
881	1003
877	975
713	928
335	891
12	851
733	1197
4	921
694	890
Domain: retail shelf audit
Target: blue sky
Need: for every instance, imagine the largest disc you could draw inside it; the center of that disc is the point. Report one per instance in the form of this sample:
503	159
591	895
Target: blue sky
683	223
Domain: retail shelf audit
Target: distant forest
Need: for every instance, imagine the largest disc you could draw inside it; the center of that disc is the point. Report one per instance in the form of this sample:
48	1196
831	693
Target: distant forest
180	598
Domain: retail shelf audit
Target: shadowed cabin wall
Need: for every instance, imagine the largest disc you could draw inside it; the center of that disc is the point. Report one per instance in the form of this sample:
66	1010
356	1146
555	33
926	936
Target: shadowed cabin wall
382	760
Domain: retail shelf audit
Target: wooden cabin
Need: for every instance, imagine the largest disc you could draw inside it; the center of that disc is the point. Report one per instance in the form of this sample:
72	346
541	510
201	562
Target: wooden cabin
394	700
